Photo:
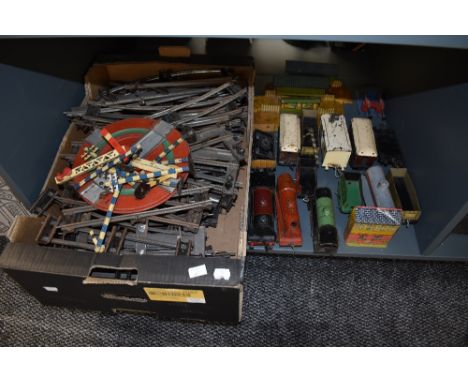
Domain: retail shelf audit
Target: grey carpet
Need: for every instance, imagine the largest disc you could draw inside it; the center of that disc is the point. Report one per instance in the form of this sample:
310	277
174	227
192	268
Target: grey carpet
288	301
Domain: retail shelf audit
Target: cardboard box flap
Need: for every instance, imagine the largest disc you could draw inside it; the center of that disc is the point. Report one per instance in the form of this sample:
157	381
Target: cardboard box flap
34	258
146	269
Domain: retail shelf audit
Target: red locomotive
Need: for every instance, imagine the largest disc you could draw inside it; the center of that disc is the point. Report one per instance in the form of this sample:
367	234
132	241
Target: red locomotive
261	229
289	227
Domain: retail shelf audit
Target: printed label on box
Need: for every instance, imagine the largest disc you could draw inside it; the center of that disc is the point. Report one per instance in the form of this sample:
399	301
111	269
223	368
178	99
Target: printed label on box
176	295
366	240
374	229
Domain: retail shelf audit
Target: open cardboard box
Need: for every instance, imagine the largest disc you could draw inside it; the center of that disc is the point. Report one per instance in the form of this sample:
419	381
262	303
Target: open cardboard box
133	283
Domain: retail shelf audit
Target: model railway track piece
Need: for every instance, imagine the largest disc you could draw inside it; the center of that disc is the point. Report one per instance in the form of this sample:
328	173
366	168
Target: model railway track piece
171	84
140	215
106	167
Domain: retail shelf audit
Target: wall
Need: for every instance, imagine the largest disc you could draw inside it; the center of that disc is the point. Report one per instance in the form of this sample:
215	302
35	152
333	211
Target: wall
40	79
433	135
33	125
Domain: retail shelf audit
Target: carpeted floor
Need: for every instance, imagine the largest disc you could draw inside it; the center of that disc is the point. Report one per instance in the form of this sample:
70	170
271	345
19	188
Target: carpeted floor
288	301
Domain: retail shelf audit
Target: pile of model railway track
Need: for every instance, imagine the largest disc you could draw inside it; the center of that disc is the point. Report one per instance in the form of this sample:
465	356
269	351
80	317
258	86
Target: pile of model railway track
158	165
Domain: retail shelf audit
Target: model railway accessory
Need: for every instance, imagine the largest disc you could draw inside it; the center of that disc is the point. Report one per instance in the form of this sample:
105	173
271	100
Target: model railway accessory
349	191
112	141
264	150
365	149
291	104
327	106
379	187
289	139
289	226
404	194
325	233
309	144
342	95
68	174
107	167
336	146
152	166
372	100
90	152
372	226
371	105
263	146
389	150
99	245
306	179
266	113
146	138
148	175
261	228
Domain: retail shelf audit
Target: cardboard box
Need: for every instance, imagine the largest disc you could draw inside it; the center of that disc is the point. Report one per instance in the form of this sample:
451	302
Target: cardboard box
372	226
368	240
159	285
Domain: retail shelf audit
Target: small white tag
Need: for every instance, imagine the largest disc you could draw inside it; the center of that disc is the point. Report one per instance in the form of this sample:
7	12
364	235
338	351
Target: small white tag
222	274
199	270
51	289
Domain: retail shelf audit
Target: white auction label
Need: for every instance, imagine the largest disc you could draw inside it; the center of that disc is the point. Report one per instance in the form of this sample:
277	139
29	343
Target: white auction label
222	274
199	270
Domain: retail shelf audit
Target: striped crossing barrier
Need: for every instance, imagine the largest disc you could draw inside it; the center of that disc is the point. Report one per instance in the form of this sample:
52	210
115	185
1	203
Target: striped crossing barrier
150	175
174	161
171	147
112	141
93	238
99	247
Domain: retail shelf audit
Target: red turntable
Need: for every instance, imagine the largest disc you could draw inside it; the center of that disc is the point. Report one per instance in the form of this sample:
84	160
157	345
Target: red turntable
127	133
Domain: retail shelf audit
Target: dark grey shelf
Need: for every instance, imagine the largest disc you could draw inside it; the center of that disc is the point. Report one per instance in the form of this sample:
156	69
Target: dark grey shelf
453	244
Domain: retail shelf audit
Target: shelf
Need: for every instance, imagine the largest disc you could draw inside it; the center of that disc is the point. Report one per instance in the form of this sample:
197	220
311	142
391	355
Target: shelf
403	244
454	244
